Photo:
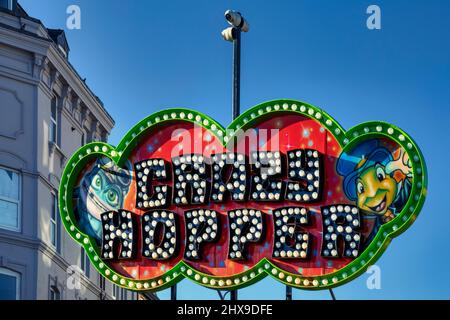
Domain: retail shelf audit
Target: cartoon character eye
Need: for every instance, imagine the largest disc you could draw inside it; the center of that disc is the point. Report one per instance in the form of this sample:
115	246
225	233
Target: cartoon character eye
360	187
381	175
123	177
97	182
112	197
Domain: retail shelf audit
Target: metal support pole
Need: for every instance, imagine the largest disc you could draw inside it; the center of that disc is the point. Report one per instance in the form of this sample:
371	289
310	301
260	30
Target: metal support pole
173	292
236	72
236	106
288	293
239	24
332	294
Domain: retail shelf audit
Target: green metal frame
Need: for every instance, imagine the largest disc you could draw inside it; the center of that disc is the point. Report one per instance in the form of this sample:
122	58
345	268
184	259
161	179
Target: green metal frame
264	267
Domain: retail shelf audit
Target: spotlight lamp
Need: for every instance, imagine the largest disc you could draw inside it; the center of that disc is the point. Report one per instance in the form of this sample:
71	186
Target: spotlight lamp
237	22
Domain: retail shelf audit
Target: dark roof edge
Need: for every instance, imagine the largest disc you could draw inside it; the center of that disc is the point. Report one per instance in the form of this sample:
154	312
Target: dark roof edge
49	40
20	12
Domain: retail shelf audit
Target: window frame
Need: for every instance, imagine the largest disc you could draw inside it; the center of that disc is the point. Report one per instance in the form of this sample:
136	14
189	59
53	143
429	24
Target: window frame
55	290
17	276
54	121
18	202
85	264
9	5
102	286
55	222
115	290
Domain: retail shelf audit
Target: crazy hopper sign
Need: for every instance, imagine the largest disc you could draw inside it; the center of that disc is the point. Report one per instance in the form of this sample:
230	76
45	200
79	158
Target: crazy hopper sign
284	191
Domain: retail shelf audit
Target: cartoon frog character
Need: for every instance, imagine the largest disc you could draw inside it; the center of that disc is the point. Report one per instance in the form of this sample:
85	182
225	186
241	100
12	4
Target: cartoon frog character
102	188
379	184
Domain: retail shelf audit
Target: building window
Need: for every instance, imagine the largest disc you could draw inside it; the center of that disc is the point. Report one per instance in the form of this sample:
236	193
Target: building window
55	234
102	284
54	121
115	291
54	293
85	264
9	199
9	284
123	294
7	4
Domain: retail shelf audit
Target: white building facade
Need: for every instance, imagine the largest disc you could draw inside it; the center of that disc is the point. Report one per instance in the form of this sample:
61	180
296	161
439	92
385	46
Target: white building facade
46	112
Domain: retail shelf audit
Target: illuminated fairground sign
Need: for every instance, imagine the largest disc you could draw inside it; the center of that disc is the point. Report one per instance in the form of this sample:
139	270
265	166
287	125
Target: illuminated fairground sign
284	191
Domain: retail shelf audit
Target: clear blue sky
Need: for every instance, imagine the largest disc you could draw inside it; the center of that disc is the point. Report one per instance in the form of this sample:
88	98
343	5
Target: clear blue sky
142	56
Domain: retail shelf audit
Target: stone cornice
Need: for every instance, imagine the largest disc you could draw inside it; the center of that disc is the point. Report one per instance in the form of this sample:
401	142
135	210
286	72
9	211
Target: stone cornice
38	66
54	75
22	40
65	94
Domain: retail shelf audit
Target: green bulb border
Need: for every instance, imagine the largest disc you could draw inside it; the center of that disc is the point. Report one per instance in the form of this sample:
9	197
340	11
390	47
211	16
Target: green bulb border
346	139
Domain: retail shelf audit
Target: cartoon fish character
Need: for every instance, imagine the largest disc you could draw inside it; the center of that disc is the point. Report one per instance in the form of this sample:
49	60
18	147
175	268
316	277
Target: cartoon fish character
103	188
379	184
